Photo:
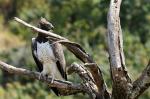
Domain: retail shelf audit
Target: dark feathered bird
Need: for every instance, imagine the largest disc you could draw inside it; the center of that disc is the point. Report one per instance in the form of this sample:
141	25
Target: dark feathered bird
49	57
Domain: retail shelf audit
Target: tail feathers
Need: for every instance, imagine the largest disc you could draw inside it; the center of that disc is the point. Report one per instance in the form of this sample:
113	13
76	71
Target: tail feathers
56	91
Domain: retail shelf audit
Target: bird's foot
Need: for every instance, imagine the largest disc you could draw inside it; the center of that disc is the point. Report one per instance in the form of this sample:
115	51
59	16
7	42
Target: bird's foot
52	79
43	75
40	76
47	77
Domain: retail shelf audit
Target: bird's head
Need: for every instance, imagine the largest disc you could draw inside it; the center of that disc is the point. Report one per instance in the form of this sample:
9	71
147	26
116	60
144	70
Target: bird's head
45	25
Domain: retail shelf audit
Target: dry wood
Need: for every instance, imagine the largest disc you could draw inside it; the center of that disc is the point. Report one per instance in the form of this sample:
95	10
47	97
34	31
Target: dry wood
87	79
121	80
69	87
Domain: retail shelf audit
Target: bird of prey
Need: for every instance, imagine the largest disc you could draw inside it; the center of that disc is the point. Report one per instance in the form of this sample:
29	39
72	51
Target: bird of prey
49	56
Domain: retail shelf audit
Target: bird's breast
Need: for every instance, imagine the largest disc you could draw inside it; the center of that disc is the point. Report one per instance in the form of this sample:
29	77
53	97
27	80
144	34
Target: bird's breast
45	52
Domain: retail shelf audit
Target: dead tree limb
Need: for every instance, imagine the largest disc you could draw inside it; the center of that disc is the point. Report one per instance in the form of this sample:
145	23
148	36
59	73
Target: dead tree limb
86	77
53	35
142	83
121	80
80	53
69	87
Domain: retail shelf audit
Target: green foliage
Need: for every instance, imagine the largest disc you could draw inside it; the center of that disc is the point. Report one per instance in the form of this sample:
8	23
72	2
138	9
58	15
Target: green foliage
82	21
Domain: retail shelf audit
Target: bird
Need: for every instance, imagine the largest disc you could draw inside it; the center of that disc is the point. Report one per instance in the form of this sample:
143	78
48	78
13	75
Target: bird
48	55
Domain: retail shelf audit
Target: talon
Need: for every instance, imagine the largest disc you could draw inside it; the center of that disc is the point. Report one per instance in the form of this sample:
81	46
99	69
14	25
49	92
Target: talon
40	76
52	81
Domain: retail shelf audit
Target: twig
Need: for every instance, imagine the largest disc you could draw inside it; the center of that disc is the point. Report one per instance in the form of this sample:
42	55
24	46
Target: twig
69	87
142	83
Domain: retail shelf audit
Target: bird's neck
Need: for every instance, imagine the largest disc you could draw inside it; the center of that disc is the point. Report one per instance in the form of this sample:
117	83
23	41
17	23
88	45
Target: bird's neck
42	38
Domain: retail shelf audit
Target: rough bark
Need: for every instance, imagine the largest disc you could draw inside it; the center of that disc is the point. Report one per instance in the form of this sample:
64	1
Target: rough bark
121	81
85	75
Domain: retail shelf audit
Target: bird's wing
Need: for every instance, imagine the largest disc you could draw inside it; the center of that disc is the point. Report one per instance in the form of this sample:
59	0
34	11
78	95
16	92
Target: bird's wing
34	54
61	63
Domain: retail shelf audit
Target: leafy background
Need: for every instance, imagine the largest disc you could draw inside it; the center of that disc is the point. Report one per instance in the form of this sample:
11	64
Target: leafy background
82	21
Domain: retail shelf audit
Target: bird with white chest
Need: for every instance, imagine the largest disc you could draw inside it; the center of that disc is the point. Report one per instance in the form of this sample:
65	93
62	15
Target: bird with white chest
48	57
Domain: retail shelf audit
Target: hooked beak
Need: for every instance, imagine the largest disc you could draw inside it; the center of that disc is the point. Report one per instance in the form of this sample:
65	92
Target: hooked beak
51	26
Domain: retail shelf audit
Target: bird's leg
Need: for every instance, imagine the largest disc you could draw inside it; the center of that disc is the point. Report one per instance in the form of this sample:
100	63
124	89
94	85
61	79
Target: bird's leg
40	75
52	78
43	74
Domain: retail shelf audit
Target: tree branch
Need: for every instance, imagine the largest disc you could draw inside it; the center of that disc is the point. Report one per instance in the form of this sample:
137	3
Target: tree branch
121	80
53	35
142	83
87	80
69	87
79	52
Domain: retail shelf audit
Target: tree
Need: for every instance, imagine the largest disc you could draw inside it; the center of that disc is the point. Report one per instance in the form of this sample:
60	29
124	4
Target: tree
94	84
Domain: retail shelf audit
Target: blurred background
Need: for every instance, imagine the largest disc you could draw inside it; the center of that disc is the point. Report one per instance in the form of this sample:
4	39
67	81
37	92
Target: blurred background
81	21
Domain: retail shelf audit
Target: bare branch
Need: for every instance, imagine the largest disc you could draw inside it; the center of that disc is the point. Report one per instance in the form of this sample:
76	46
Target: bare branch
142	83
87	79
121	80
69	87
79	52
53	35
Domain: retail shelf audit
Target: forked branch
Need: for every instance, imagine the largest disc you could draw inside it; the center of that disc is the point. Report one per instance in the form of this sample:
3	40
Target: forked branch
87	79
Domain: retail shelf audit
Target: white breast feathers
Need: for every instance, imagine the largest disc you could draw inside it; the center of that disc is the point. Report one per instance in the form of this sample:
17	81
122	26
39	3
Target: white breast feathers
45	52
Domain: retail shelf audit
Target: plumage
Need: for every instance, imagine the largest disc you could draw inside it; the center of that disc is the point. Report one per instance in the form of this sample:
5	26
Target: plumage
49	57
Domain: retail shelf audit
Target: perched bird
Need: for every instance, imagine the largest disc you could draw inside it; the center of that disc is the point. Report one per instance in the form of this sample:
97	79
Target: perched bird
49	57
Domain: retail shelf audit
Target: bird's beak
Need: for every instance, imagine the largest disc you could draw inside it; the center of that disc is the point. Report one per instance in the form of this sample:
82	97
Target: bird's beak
51	26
